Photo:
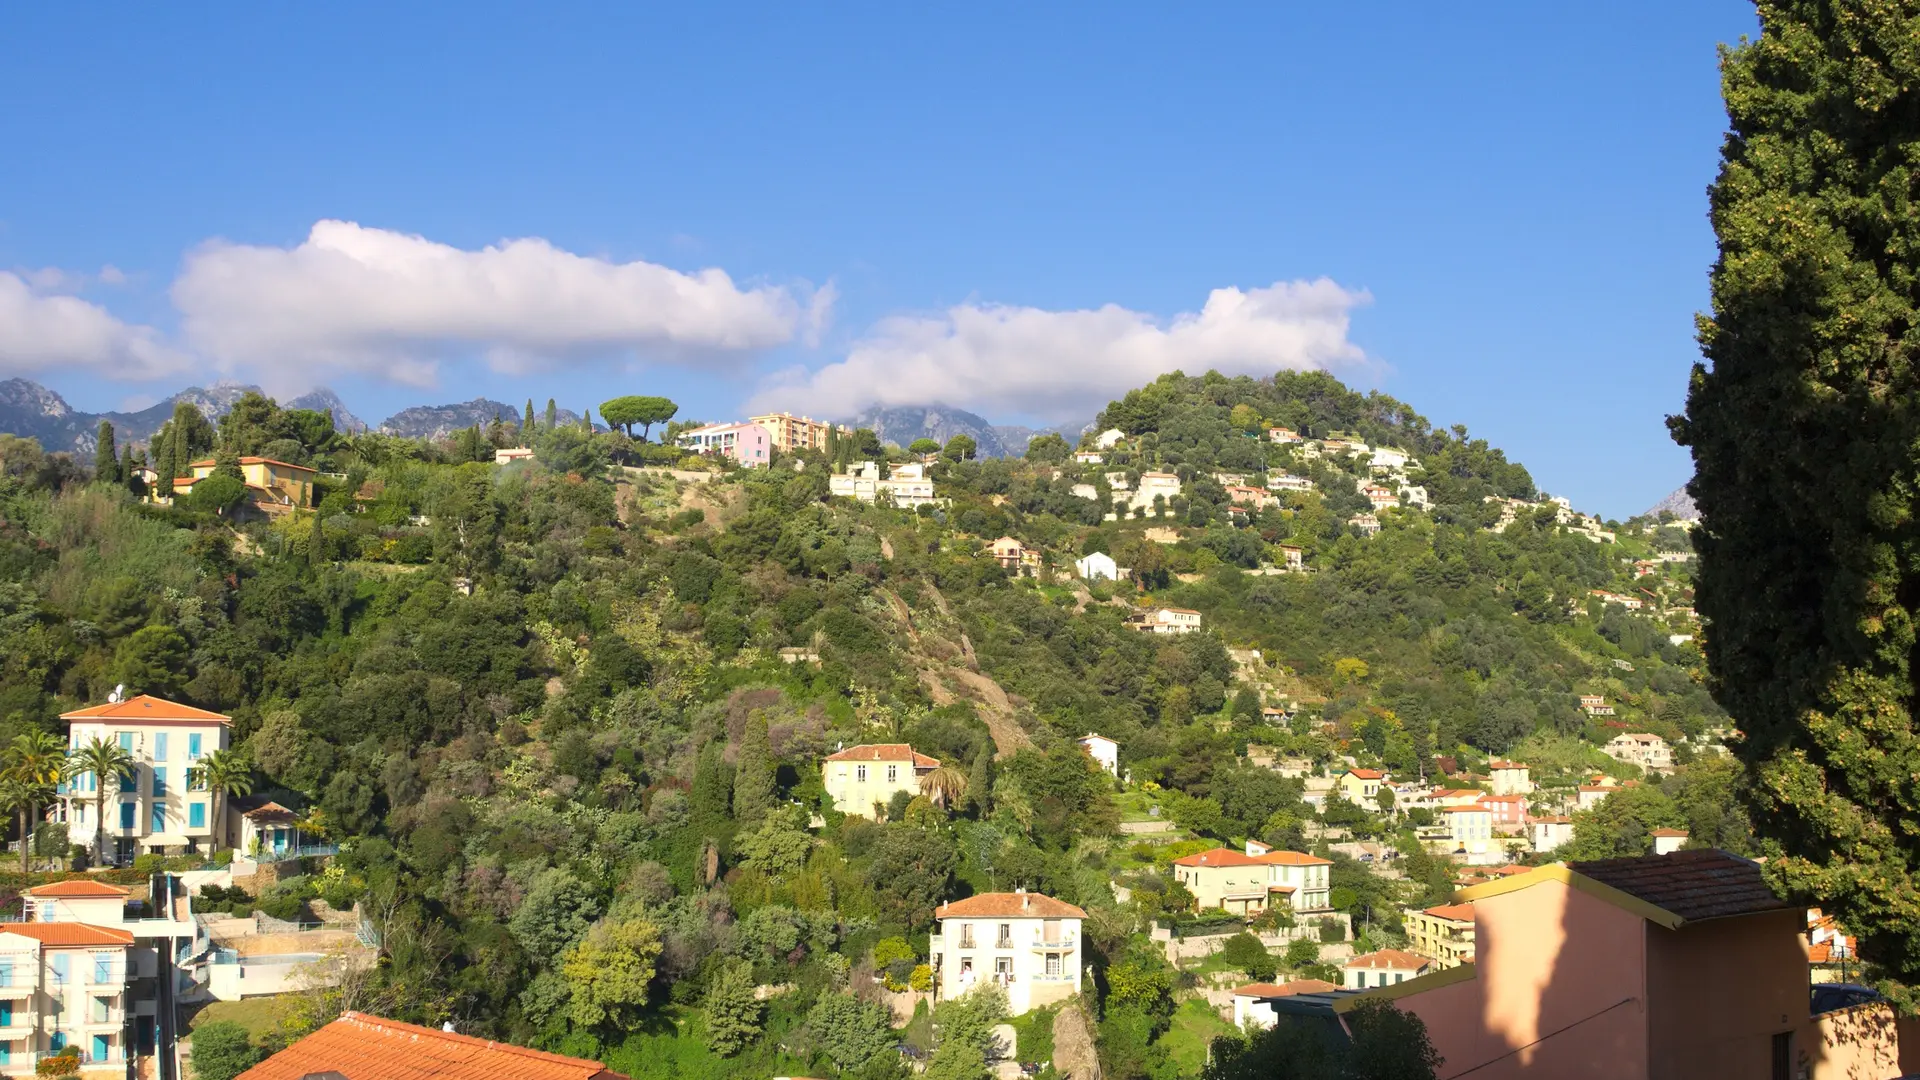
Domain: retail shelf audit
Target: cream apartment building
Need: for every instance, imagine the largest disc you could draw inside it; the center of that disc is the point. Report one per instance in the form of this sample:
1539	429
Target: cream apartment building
165	806
792	432
1248	882
1443	933
861	780
62	985
1024	942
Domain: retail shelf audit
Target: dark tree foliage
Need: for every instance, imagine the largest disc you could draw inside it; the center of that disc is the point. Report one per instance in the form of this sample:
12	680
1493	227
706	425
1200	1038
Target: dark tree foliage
1803	428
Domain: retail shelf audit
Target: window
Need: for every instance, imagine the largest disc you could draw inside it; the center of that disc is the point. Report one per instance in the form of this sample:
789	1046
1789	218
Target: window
1002	966
159	783
893	773
966	936
1004	940
6	975
126	815
160	746
197	815
126	741
1053	964
61	962
159	817
860	774
193	747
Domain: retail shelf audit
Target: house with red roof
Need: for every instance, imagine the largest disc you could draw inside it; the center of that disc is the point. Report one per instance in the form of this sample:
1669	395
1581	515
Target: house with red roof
362	1047
1360	786
64	987
1248	882
1384	968
1253	1003
165	807
273	487
863	779
1026	943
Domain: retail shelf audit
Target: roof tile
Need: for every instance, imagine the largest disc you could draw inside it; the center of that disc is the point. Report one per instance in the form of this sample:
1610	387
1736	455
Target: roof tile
370	1048
1699	884
1009	905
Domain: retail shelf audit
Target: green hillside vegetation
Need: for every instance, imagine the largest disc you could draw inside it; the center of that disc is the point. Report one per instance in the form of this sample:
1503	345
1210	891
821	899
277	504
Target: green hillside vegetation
542	707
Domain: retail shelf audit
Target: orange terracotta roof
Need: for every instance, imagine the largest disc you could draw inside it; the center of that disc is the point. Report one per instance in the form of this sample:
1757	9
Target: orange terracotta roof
1389	958
1476	808
1505	765
1288	889
370	1048
1368	774
253	461
885	752
78	888
145	707
1297	986
1009	905
1510	870
1292	858
1455	912
1553	819
68	933
1680	833
1220	857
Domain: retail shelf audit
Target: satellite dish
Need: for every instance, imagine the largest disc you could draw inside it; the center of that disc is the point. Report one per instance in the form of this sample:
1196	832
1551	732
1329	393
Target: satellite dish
119	694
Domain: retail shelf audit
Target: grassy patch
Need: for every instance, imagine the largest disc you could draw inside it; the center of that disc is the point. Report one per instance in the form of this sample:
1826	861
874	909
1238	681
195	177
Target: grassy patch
260	1016
1195	1026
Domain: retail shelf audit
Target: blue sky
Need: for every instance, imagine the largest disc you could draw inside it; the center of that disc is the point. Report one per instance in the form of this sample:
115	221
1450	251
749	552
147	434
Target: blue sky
1011	209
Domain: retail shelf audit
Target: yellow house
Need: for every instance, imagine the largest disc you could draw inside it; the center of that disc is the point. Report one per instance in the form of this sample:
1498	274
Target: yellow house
1361	785
272	486
1226	879
1472	830
1444	933
863	779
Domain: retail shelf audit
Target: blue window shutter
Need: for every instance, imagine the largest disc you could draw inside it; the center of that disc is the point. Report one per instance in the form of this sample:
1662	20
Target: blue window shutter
159	782
126	815
160	746
60	966
102	967
159	817
197	815
193	746
126	741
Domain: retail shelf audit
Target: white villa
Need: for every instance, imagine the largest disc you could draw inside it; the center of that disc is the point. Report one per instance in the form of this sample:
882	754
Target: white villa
1103	750
907	486
1166	620
165	806
863	779
1027	943
1098	565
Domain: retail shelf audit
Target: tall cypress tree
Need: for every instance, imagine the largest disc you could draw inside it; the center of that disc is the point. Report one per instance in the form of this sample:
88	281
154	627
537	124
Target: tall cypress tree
1804	425
553	415
106	458
753	786
526	425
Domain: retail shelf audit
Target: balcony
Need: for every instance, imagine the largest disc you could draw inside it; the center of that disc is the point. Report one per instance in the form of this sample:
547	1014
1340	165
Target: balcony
1061	941
966	941
1004	941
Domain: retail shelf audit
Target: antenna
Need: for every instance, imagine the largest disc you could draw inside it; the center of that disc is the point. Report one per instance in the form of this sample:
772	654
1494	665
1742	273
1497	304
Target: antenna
119	694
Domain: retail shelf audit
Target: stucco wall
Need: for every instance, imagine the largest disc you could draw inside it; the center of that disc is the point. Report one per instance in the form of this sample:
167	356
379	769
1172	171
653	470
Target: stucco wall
1557	992
1720	990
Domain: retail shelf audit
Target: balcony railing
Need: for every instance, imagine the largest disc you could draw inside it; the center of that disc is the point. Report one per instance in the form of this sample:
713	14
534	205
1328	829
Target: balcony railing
1005	941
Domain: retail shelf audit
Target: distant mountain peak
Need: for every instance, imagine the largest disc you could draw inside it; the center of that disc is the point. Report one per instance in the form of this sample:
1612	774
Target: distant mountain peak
902	424
1679	504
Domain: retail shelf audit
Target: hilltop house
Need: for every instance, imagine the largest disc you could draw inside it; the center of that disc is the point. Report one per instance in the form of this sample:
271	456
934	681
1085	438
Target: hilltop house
1510	778
166	806
906	486
1368	524
1283	436
1385	968
273	487
1253	1003
789	432
1109	438
1165	620
1595	705
1550	831
1279	481
1642	748
1360	785
1668	841
1103	750
507	455
1089	457
1256	498
1444	933
749	444
1382	498
357	1045
1024	942
1009	553
1247	882
1389	459
1163	486
1470	833
862	780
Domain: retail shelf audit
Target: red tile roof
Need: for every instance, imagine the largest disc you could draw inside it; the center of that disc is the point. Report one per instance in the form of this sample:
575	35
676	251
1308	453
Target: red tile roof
1456	912
1009	905
1474	808
1681	833
145	707
1552	819
1297	986
369	1048
78	888
1705	883
68	933
1292	858
1368	774
1392	959
885	752
1220	857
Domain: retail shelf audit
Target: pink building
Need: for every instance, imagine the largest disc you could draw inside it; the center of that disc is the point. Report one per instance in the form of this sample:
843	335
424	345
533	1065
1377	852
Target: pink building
1655	968
749	444
1507	810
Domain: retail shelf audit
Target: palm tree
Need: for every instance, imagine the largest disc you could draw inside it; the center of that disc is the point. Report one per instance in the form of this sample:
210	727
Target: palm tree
225	772
38	760
108	763
15	799
944	786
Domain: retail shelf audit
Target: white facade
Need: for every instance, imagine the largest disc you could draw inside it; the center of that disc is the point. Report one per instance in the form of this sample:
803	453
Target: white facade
1026	943
1096	566
1288	482
1510	778
166	804
906	486
862	780
1103	750
1549	833
1647	750
1386	457
1109	438
1166	621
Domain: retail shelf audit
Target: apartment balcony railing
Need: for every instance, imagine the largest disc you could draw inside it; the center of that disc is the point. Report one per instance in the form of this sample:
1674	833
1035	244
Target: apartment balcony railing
1005	941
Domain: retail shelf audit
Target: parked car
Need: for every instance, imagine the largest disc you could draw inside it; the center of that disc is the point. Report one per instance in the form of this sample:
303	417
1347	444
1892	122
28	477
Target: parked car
1828	997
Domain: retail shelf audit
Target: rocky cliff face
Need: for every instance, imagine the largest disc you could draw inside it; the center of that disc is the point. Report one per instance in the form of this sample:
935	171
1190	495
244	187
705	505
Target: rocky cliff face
1680	504
33	411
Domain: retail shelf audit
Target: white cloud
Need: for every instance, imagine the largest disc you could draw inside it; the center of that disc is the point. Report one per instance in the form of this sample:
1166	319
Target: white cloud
394	306
1064	365
40	332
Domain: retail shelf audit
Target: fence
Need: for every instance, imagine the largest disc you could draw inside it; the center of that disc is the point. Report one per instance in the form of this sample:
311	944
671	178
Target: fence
296	853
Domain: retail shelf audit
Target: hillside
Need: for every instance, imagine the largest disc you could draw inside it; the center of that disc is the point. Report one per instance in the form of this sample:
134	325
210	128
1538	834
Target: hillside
32	411
570	713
